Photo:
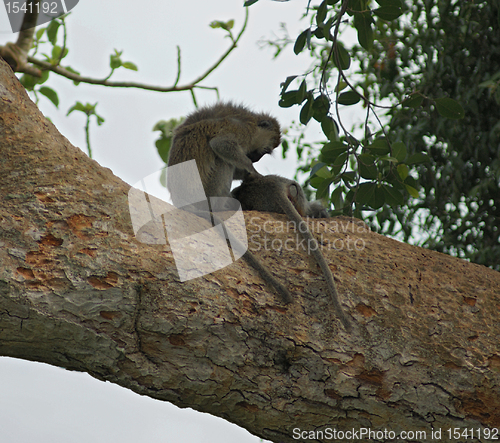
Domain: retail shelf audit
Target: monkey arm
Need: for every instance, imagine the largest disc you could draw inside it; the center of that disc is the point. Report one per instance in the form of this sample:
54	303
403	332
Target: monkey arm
316	210
228	149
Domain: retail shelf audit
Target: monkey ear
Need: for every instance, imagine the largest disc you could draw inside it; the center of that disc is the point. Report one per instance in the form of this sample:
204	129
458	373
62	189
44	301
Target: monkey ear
293	190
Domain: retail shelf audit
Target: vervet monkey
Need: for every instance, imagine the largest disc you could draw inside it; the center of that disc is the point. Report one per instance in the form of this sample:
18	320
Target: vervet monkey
225	140
272	193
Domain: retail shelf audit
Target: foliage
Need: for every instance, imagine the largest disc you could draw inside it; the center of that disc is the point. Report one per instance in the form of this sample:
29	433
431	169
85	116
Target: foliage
46	41
423	163
88	110
164	141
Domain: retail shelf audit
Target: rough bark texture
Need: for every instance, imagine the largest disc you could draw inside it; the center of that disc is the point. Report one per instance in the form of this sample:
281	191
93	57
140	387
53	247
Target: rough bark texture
77	290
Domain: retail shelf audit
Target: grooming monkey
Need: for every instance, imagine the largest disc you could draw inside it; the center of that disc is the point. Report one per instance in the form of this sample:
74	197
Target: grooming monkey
272	193
225	140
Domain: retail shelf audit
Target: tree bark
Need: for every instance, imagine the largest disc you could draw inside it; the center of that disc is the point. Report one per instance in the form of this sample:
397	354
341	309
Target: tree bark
77	290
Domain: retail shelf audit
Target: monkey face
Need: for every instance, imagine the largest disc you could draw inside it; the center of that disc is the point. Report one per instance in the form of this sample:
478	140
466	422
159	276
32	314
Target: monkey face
256	155
266	138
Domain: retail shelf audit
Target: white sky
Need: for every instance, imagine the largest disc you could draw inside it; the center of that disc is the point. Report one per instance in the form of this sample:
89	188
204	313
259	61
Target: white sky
40	403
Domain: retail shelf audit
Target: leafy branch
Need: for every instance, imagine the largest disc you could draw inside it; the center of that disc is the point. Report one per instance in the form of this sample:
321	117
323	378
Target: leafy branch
371	171
73	75
36	70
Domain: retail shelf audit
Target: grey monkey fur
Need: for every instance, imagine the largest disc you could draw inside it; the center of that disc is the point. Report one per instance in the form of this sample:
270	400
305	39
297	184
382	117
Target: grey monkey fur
225	140
272	193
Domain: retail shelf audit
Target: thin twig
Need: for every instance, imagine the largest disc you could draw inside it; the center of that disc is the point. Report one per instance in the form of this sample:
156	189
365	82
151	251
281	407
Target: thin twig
114	84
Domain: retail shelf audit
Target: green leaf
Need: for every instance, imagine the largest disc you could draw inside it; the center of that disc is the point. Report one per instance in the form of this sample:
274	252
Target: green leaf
399	151
362	23
403	171
341	86
330	128
100	120
306	112
366	167
316	168
321	13
323	187
492	82
44	77
78	106
57	51
388	12
52	31
315	182
130	65
339	164
344	58
321	106
332	150
412	191
336	198
396	3
413	101
449	108
356	6
379	147
327	27
216	24
163	177
348	98
115	60
163	147
349	177
288	99
365	193
322	172
28	81
287	83
392	196
284	148
40	32
302	92
418	158
50	94
250	2
300	43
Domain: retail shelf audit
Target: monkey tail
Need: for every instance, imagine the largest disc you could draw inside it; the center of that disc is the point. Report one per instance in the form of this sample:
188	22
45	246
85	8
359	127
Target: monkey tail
292	213
268	278
253	261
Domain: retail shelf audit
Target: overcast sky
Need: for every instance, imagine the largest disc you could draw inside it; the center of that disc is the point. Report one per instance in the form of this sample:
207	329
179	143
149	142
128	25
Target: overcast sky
40	403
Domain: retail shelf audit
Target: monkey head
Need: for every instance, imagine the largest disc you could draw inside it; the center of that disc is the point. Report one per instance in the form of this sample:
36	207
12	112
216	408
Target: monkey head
267	193
266	138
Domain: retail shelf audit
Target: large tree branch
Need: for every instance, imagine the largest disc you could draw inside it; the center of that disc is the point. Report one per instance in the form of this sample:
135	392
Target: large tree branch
77	290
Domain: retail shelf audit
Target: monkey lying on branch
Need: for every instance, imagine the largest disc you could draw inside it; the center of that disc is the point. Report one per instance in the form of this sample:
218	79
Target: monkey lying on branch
272	193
